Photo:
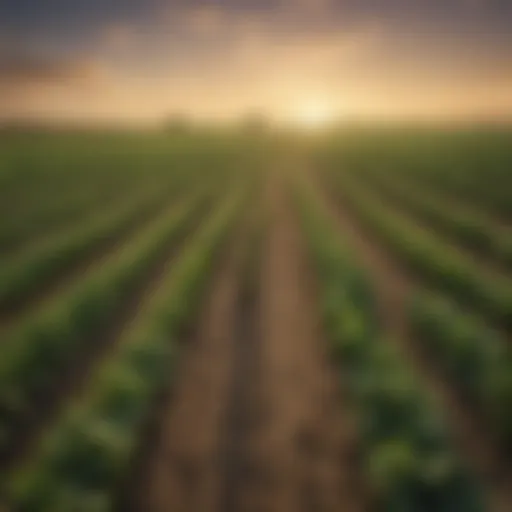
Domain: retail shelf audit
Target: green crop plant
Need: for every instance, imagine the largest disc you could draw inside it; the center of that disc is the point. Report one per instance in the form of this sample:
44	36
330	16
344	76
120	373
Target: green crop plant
88	453
407	455
35	353
464	226
438	264
476	359
22	275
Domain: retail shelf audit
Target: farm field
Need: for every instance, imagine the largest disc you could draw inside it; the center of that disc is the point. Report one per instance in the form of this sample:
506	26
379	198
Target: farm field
255	321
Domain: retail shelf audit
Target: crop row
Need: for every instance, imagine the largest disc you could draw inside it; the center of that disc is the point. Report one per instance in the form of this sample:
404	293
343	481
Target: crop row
49	215
24	274
472	167
443	267
37	208
476	187
36	352
50	180
407	457
466	227
85	458
475	359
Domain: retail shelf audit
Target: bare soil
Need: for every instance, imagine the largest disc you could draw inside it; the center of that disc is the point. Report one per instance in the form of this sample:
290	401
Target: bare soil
301	448
255	420
182	470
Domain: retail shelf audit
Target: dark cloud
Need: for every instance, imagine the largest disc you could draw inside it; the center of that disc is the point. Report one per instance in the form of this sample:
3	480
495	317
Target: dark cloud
23	70
65	14
85	16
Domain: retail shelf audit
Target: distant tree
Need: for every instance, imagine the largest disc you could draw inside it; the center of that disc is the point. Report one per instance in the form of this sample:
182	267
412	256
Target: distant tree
254	122
177	123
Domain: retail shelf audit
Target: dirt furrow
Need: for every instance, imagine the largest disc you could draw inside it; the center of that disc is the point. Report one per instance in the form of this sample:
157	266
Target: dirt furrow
297	451
254	421
394	286
183	467
243	408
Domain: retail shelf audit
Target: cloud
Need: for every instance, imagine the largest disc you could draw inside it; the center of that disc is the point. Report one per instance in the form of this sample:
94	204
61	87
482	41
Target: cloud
30	70
34	85
212	59
309	7
207	19
119	36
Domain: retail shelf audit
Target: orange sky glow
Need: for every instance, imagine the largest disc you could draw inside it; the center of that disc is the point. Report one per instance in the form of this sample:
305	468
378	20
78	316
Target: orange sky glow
210	61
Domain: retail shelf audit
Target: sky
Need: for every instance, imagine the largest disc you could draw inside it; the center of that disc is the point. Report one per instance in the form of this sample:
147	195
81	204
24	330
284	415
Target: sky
291	60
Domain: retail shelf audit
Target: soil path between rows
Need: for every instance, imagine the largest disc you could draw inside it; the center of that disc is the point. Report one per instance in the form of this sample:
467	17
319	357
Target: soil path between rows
255	422
394	287
301	448
182	471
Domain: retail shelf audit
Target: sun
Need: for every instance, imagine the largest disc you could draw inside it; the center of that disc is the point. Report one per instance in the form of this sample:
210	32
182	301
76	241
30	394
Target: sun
314	114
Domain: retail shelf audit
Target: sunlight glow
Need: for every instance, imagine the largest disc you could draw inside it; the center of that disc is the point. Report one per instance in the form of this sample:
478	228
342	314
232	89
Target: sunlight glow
314	115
